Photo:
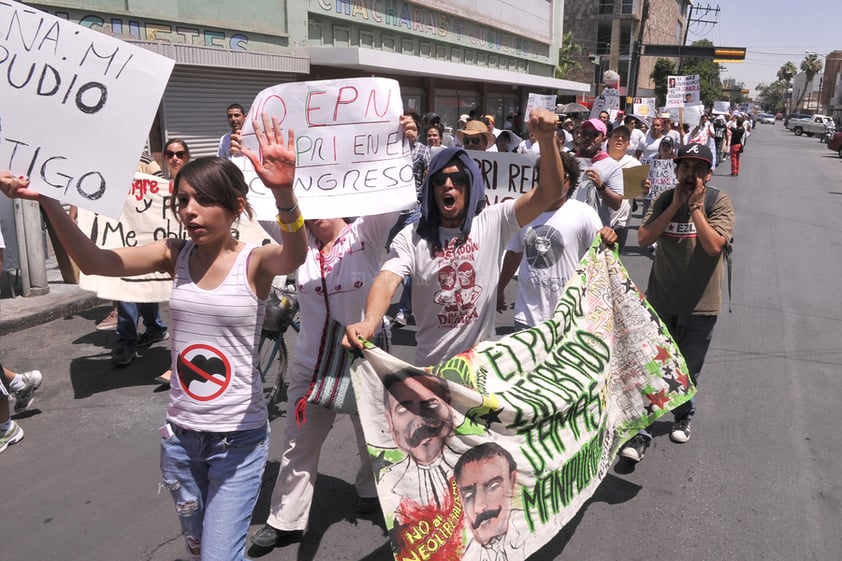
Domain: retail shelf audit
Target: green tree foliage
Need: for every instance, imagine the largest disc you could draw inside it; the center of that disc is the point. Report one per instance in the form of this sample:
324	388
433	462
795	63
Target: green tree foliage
567	56
787	72
664	67
708	71
772	97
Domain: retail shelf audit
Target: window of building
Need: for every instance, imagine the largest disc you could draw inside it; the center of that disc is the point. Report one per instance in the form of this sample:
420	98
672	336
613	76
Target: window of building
627	7
606	7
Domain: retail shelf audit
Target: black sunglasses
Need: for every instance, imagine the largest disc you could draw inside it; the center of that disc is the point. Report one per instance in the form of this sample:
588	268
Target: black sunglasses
457	178
469	140
181	154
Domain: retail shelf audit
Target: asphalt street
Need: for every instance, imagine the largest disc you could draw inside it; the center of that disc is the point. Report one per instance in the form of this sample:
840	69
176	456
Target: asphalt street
759	479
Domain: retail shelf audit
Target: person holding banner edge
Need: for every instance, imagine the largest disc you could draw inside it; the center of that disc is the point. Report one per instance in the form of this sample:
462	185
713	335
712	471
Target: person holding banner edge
692	224
455	232
215	441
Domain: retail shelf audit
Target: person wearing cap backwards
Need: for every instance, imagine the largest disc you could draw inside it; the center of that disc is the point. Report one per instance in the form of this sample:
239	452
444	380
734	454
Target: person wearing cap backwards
456	233
685	283
601	183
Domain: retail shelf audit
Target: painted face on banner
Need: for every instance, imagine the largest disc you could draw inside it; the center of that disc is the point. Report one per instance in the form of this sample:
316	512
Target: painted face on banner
420	421
486	487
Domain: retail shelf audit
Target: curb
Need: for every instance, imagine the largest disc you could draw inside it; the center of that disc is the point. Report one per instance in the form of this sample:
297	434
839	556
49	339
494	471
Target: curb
53	311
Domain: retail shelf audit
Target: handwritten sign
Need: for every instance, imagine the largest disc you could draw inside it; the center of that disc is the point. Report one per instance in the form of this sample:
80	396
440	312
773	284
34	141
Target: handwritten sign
538	416
683	90
77	107
146	217
539	101
661	175
352	158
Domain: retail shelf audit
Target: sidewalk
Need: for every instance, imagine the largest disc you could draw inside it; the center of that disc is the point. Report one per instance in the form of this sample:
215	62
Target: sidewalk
62	300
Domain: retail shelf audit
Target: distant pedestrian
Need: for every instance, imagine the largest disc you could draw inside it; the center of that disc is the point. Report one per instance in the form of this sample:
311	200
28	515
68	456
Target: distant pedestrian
692	224
737	138
235	115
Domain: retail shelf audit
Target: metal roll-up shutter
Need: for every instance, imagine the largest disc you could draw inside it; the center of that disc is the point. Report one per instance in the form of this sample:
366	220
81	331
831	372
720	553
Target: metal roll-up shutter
196	97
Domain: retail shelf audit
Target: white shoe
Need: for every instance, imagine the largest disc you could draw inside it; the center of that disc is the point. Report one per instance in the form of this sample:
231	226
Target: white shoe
25	397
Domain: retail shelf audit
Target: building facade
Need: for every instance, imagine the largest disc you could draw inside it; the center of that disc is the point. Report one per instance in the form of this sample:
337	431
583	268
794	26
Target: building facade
610	31
450	57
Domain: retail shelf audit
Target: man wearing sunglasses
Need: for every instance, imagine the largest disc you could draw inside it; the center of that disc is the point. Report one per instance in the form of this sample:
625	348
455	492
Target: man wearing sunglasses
476	136
601	183
457	234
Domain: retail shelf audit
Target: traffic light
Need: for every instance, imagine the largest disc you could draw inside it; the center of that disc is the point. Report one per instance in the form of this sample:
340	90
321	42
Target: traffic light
729	54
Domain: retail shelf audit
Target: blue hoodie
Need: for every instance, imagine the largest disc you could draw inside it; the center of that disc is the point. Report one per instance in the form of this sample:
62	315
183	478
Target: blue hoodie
428	225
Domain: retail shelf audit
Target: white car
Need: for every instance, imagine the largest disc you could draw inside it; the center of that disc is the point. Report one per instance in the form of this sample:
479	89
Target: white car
766	118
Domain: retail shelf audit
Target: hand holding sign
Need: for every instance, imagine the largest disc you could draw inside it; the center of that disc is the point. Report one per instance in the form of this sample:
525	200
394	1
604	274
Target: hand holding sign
275	165
16	187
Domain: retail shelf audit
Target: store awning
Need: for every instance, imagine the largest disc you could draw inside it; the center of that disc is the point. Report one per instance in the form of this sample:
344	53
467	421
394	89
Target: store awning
381	62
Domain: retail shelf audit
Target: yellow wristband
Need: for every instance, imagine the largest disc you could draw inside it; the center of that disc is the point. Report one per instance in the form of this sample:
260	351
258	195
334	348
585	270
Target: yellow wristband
291	227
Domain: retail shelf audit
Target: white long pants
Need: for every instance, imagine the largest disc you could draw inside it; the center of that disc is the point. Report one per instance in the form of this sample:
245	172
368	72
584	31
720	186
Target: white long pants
302	445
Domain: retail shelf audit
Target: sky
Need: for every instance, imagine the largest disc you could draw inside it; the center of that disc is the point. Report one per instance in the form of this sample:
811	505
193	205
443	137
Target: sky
773	32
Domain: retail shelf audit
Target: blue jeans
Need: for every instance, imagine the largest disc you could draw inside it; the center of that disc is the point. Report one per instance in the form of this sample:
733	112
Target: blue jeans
692	334
127	316
214	479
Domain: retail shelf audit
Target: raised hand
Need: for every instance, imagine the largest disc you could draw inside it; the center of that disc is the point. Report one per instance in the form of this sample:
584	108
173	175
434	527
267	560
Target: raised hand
275	165
542	123
16	187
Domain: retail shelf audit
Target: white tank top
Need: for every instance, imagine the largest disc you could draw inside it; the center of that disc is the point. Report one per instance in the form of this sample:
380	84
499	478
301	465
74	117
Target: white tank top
215	384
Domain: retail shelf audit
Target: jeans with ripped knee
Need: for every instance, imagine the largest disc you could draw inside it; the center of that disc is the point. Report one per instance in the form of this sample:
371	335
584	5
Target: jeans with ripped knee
214	479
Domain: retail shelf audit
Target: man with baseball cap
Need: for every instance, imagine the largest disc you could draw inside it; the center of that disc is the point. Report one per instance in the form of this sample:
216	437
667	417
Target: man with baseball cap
692	224
601	181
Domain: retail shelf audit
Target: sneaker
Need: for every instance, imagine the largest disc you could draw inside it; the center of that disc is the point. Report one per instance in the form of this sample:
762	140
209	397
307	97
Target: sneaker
123	356
680	431
109	323
146	339
11	436
367	505
268	536
635	448
25	397
401	318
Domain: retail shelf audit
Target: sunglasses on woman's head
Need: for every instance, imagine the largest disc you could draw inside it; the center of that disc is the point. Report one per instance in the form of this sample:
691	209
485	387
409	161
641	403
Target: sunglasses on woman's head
181	154
457	178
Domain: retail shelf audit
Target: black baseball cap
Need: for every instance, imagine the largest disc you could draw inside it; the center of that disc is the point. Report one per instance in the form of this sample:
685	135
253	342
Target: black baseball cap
430	117
694	151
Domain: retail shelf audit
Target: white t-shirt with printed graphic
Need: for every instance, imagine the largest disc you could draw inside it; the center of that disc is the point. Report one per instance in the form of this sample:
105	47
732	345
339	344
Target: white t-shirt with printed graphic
552	246
454	294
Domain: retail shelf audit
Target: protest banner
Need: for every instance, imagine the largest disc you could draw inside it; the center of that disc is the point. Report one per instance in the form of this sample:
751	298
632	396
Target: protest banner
539	101
506	175
645	107
661	175
146	217
682	90
352	158
608	100
692	114
67	92
538	416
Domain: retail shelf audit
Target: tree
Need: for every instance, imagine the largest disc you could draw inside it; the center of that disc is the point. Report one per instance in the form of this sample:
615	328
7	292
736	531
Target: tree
785	74
567	55
664	67
772	97
810	66
708	71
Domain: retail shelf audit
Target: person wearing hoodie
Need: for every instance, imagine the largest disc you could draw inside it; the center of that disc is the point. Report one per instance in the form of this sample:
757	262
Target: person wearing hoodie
453	253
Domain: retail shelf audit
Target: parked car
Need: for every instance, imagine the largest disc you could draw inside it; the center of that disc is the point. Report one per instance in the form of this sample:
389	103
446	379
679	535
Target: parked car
794	116
815	124
766	118
779	116
835	143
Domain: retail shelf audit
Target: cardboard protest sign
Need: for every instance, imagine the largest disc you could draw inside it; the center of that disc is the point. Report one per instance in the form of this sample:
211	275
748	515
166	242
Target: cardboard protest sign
661	175
352	158
489	454
683	90
645	107
68	94
539	101
633	178
506	175
146	217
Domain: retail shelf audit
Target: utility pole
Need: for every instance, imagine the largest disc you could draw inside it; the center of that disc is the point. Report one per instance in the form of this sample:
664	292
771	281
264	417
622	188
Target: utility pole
704	15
